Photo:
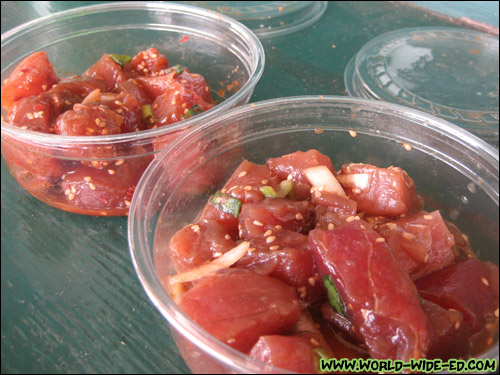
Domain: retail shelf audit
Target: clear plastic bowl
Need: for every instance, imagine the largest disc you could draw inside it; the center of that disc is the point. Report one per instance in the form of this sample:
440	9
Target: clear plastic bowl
217	47
455	171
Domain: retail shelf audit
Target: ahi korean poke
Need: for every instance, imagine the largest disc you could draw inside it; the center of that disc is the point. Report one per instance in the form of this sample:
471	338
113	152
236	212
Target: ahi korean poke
293	261
118	94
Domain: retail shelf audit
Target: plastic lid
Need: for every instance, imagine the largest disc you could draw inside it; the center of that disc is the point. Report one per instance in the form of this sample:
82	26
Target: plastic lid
450	73
269	18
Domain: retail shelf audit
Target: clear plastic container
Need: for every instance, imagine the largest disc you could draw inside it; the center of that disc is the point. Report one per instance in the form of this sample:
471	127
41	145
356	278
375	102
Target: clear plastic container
226	53
448	72
455	171
269	19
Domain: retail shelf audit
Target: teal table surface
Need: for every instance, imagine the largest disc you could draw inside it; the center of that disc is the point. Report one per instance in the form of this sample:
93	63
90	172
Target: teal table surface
71	301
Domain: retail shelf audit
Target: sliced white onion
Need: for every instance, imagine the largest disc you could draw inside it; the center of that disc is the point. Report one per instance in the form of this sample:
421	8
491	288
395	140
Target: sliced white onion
322	178
92	97
356	180
225	261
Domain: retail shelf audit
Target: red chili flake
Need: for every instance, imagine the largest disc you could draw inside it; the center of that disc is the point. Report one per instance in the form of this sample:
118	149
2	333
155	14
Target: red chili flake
221	92
474	51
130	192
184	39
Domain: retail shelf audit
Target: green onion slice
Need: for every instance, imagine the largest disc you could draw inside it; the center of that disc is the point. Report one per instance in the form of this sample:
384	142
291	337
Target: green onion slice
120	59
147	113
284	189
226	203
178	69
333	295
193	111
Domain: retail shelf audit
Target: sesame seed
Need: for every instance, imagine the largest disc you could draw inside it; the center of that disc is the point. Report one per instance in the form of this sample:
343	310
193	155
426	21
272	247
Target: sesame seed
289	177
145	70
314	342
227	237
119	162
87	178
457	324
331	226
278	227
71	196
92	186
97	121
24	127
154	55
268	233
258	223
407	146
391	226
247	188
357	218
30	116
73	189
489	341
90	130
317	193
127	203
465	237
380	239
311	281
140	66
427	217
119	110
231	340
349	219
264	182
105	131
111	171
274	247
299	216
206	88
177	92
44	87
301	289
242	174
484	281
408	236
270	239
352	133
497	313
67	102
356	190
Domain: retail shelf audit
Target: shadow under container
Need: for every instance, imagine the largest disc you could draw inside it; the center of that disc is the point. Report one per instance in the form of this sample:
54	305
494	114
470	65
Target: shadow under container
455	172
56	169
